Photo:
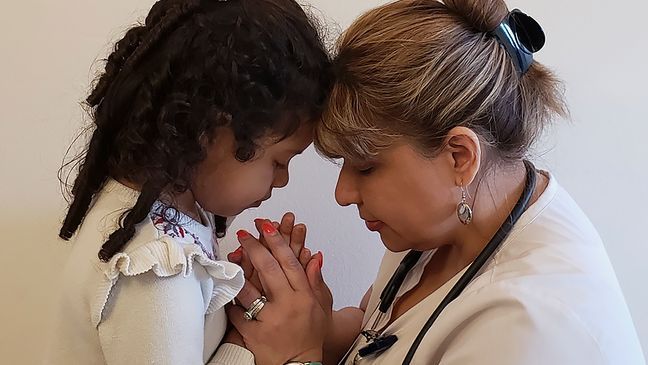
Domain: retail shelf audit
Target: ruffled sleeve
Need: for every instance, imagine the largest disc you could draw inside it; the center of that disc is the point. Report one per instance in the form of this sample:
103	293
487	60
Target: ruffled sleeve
166	257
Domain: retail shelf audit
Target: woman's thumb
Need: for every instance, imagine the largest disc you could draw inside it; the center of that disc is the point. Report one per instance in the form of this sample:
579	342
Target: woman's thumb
316	281
314	271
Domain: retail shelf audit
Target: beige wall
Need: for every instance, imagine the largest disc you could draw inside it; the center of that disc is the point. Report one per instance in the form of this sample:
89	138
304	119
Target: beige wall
598	47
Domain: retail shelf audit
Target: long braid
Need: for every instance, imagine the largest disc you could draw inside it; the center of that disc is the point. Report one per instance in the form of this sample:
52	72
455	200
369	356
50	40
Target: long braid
92	175
127	228
220	226
146	97
115	62
93	171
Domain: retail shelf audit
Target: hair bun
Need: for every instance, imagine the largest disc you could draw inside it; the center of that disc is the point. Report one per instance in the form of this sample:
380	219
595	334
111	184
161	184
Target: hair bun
482	15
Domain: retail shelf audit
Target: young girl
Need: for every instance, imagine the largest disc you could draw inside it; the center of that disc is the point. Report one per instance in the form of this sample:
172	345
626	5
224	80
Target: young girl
197	115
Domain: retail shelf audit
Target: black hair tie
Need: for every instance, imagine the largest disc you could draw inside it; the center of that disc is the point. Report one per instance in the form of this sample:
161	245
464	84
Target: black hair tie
522	36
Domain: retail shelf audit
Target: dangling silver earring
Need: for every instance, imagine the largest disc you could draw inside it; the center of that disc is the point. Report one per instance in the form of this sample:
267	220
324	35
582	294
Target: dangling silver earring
464	211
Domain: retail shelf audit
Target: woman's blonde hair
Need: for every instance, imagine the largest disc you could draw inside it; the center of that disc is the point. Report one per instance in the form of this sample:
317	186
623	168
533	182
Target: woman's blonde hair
415	69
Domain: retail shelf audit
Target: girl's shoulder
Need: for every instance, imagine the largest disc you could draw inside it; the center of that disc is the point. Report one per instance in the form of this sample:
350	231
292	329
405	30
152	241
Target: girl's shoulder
165	247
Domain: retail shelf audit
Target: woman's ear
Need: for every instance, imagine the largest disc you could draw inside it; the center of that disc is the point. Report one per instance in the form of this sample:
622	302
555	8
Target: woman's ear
464	149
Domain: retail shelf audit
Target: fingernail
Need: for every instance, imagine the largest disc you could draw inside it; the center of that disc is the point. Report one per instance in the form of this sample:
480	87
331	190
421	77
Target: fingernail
234	257
269	229
242	234
320	259
258	221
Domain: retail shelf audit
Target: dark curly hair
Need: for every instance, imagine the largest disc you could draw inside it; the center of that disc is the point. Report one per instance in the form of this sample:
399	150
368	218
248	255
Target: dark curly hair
258	67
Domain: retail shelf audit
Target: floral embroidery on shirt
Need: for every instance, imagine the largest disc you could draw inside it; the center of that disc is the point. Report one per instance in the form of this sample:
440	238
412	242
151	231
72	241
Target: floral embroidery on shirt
165	220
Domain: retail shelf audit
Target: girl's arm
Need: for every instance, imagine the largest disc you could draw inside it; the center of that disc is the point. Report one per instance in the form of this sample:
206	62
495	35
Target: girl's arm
154	320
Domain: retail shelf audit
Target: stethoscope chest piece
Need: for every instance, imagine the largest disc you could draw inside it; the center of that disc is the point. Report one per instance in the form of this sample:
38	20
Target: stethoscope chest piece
377	344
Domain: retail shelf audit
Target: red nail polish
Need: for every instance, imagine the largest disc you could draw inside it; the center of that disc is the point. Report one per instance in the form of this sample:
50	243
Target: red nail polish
320	258
268	228
242	234
234	257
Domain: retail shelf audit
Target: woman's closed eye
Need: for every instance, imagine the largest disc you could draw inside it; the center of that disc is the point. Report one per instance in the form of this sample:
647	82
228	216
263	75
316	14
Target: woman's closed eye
365	170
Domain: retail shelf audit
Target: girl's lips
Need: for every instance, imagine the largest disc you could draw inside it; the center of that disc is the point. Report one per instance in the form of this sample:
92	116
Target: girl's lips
374	225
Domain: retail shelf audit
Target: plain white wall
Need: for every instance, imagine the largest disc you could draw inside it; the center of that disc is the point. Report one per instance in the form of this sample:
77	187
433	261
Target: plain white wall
598	47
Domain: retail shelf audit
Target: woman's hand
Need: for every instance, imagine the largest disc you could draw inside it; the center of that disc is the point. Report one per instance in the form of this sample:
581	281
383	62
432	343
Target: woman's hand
296	235
294	322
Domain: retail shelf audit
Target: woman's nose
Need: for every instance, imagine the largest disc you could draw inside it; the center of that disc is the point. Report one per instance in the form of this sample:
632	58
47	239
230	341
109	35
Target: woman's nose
346	192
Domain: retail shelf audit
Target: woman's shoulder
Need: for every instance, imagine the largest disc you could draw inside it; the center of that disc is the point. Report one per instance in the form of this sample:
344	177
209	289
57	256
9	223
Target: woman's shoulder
553	238
553	250
556	215
544	321
554	268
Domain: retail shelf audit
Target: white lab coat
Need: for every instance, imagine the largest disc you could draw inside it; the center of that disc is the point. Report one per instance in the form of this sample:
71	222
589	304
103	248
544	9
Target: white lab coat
549	296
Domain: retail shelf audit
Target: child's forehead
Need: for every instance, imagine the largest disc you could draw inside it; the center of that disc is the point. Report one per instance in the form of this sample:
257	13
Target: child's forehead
298	140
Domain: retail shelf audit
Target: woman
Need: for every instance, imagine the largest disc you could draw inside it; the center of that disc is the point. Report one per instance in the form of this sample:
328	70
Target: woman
433	111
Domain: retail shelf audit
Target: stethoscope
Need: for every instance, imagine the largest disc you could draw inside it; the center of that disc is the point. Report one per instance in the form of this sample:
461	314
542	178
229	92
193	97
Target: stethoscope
379	342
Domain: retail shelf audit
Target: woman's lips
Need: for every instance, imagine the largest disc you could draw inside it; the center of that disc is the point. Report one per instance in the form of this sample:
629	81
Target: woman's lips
374	226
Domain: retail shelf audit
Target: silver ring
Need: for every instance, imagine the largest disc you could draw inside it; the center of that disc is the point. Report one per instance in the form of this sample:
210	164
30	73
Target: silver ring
255	308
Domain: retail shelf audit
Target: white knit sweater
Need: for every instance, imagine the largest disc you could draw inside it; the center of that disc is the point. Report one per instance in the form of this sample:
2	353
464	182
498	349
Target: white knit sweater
159	301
